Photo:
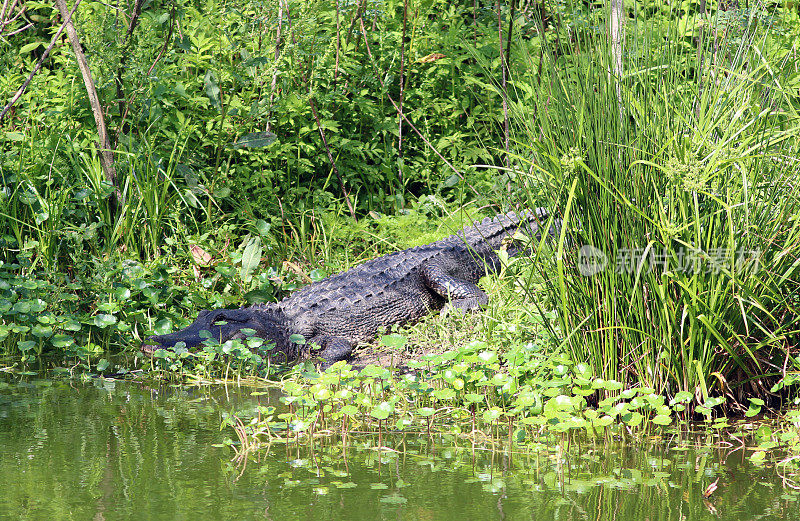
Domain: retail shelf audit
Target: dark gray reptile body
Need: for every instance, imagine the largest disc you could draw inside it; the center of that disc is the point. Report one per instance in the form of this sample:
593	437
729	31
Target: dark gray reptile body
340	311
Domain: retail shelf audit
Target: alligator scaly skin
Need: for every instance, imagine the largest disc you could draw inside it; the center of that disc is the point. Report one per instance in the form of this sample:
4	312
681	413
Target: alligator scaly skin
338	312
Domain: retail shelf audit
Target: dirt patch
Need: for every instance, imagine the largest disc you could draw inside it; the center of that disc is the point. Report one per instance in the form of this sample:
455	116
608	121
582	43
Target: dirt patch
433	335
374	354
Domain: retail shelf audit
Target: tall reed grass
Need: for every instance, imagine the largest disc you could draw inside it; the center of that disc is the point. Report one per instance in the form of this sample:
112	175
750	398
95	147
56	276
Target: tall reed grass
679	181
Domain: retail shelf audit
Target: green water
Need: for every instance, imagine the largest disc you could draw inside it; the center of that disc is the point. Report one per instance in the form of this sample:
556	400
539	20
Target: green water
120	450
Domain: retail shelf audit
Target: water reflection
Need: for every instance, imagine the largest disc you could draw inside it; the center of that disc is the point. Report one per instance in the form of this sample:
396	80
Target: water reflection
118	450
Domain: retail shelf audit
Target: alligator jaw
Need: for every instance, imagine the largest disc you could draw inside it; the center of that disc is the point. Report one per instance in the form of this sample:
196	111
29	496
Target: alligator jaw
224	325
154	343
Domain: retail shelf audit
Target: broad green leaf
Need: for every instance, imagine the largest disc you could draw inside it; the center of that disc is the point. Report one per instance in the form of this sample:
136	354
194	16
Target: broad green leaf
382	411
394	341
349	410
255	140
251	258
662	420
212	89
31	46
103	320
26	345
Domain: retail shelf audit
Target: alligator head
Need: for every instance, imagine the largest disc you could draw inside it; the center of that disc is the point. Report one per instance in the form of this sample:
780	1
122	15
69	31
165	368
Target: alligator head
228	324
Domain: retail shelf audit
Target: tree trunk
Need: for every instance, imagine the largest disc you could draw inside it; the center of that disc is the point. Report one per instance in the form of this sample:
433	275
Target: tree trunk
402	92
274	83
105	150
503	84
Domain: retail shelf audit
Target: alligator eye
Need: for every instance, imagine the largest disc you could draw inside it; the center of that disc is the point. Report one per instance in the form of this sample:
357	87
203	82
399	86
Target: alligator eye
222	318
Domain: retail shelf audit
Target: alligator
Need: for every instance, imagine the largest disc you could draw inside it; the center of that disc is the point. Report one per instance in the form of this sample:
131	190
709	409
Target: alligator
334	314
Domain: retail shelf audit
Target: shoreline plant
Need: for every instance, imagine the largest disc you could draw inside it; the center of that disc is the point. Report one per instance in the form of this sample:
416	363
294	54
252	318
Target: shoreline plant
676	178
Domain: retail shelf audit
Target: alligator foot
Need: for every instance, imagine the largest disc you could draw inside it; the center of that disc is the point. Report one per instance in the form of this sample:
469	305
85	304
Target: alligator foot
333	349
463	294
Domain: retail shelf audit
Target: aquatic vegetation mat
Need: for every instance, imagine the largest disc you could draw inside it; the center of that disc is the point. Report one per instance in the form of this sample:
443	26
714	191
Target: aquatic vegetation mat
476	395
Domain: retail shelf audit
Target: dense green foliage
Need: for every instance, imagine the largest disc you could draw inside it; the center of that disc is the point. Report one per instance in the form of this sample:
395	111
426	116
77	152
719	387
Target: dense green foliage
180	178
177	168
676	165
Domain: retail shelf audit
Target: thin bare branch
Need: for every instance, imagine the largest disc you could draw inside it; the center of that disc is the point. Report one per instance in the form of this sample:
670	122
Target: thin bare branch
105	150
361	5
509	37
3	11
123	104
338	44
137	11
20	30
345	193
408	122
278	44
313	105
6	11
167	41
9	10
402	92
38	65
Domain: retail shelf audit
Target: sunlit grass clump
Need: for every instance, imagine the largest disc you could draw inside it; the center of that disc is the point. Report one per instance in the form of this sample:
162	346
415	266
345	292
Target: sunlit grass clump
677	178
